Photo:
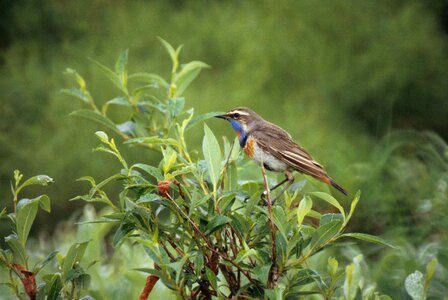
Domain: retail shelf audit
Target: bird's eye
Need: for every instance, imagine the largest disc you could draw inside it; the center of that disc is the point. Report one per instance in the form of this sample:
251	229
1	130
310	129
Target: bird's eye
236	115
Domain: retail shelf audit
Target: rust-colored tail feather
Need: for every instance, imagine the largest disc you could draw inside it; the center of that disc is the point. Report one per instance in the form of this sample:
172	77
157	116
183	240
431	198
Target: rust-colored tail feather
338	187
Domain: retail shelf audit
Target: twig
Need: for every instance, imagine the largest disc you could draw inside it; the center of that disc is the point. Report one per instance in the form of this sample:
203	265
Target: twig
207	242
151	281
273	272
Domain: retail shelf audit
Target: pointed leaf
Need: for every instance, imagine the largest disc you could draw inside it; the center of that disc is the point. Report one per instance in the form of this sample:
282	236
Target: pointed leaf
188	73
369	238
212	155
216	223
74	255
202	117
94	116
324	234
17	248
149	78
330	199
121	67
114	78
304	208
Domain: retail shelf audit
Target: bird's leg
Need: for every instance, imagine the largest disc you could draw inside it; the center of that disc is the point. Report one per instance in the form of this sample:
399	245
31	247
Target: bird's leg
289	178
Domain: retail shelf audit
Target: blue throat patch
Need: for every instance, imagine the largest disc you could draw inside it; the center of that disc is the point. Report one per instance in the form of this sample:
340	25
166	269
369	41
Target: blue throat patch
238	128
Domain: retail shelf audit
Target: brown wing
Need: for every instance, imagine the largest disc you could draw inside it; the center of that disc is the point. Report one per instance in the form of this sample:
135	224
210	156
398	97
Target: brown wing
277	142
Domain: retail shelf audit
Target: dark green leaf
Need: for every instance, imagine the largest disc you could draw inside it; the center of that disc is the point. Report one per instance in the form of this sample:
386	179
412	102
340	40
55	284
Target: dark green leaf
216	223
211	277
54	286
122	232
324	234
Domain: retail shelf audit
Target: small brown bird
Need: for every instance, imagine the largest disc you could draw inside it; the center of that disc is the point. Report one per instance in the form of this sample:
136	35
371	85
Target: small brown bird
270	145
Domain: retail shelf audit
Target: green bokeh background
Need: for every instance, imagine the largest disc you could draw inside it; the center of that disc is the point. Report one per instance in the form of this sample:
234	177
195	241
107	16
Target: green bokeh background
357	83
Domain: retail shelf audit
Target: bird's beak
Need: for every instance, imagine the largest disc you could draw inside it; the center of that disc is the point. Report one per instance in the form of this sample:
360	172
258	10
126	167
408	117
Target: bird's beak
224	116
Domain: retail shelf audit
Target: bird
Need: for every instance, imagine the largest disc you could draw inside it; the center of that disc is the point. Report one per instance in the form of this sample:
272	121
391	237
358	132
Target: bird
272	147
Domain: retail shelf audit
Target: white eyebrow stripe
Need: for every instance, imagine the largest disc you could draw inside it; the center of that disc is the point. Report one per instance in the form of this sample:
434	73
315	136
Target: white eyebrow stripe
243	113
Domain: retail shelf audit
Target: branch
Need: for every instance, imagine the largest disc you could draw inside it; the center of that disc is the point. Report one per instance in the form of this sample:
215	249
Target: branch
151	281
273	272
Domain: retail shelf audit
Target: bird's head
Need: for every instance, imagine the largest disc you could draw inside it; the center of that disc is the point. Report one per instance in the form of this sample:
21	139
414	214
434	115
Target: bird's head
241	118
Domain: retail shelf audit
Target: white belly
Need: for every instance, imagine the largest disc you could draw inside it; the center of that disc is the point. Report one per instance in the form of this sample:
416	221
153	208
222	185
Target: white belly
270	162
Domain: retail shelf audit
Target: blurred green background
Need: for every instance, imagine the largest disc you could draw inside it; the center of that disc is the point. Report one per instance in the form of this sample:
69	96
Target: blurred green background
363	85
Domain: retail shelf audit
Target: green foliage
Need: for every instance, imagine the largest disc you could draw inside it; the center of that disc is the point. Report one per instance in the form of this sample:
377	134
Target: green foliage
188	214
68	282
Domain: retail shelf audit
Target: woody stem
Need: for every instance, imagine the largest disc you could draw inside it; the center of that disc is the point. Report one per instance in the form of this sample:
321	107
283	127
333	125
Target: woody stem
273	272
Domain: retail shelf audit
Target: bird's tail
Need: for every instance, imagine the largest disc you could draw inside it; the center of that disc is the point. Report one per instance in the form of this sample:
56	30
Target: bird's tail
333	183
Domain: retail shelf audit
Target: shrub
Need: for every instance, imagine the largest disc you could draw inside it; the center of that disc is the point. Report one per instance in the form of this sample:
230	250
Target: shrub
200	220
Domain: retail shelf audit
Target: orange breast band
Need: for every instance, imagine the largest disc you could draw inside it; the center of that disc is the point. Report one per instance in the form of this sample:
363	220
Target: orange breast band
249	149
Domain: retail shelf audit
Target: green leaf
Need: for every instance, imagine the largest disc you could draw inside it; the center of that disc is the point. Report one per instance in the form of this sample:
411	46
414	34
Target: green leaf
169	159
17	248
200	118
430	270
112	76
121	68
369	238
212	155
330	199
327	218
414	285
54	286
324	234
216	223
45	203
74	255
178	265
353	206
124	230
153	171
47	259
26	213
174	54
94	116
120	101
175	106
188	73
149	78
211	277
304	208
153	141
77	93
37	180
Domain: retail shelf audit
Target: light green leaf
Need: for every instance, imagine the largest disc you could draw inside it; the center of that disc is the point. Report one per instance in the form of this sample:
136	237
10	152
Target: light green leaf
200	118
188	73
94	116
120	101
175	106
169	159
330	199
304	208
369	238
212	155
26	213
149	78
112	76
414	285
353	206
430	270
174	54
121	67
77	93
74	255
44	202
17	248
153	140
37	180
